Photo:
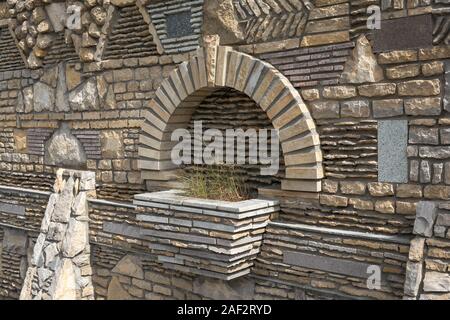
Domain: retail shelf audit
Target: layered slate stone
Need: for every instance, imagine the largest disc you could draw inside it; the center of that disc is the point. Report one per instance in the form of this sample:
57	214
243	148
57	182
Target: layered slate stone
10	57
161	15
189	84
130	36
225	250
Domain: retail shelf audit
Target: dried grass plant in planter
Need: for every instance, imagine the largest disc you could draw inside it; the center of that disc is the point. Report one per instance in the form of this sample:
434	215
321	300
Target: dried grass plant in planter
217	182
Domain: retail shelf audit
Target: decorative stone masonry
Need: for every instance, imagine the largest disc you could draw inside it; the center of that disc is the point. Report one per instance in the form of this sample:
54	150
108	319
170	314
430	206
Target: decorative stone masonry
217	239
60	265
427	271
215	66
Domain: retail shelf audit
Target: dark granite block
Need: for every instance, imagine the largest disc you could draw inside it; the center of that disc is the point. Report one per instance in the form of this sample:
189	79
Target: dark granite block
179	24
404	33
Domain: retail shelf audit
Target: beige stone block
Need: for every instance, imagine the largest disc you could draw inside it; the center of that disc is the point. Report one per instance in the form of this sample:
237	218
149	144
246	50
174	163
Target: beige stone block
185	75
326	38
333	201
330	186
296	128
235	61
379	189
385	206
222	67
312	156
288	115
353	187
255	75
419	88
165	101
260	92
398	56
403	71
301	185
313	172
154	120
172	93
377	90
151	130
360	204
339	92
201	61
175	77
312	139
244	72
160	111
279	105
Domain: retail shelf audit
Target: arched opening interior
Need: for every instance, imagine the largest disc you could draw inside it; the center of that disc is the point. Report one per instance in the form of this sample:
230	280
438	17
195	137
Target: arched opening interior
225	109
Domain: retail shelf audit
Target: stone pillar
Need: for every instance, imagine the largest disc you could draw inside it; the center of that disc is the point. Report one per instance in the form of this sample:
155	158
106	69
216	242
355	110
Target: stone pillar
60	265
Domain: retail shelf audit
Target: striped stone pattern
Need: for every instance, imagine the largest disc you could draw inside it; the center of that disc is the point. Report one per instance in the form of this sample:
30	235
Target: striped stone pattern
91	143
60	51
265	20
359	16
10	58
309	67
130	36
180	94
36	138
201	236
349	149
159	12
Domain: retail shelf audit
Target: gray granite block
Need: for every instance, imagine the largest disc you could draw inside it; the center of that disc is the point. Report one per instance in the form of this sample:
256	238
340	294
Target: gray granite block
426	213
12	208
392	155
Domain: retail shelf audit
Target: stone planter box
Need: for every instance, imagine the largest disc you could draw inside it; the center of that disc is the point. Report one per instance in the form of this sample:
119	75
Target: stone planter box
216	239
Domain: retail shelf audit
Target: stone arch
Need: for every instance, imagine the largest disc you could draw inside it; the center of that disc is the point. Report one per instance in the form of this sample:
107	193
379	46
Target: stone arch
210	68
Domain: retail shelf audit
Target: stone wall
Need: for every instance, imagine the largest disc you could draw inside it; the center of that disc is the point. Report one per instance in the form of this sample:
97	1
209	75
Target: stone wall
378	102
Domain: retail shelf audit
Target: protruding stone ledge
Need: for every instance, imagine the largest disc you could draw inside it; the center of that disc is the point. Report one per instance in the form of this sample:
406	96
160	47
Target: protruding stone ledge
217	239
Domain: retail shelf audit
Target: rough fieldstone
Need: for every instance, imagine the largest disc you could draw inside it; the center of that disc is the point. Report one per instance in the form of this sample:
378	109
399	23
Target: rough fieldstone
355	109
377	90
324	109
378	189
333	201
403	71
221	18
362	65
423	106
420	135
353	187
57	14
112	144
413	278
419	88
76	238
425	217
85	97
416	249
64	285
339	92
436	282
44	97
64	149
